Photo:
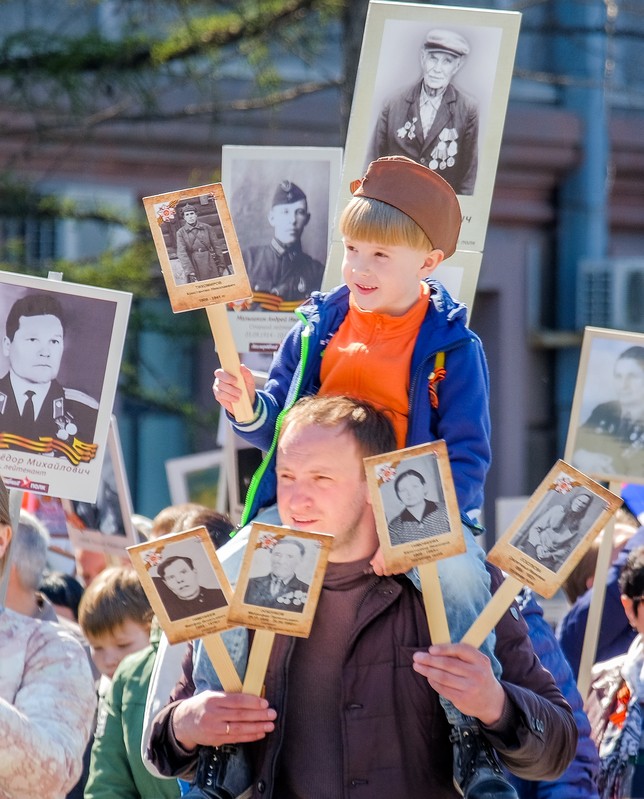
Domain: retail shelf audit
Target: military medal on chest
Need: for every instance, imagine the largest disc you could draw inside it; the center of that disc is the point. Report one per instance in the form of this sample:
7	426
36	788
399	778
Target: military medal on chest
64	420
444	154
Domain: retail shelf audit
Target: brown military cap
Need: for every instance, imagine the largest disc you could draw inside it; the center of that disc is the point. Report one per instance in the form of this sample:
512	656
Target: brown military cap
417	191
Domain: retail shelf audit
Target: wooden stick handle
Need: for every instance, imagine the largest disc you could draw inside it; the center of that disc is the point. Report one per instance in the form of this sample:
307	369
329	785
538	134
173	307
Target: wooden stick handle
492	612
222	663
260	652
228	356
596	607
434	605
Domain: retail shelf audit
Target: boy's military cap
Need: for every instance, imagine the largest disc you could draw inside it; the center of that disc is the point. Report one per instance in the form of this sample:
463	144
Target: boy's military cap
446	41
187	208
417	191
287	193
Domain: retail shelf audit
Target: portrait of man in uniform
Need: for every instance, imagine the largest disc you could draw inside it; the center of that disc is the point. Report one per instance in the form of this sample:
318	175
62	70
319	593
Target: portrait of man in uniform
199	249
281	268
280	589
431	120
420	517
180	589
33	403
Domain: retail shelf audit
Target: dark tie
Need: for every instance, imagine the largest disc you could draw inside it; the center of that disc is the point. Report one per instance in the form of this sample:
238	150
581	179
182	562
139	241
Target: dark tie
28	412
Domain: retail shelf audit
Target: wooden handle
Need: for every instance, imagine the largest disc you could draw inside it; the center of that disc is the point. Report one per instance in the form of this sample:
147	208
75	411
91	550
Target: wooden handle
260	652
596	607
228	356
434	604
492	612
222	663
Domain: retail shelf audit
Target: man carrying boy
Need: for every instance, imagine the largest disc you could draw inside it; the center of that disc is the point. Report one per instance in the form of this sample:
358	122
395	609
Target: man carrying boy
395	338
353	709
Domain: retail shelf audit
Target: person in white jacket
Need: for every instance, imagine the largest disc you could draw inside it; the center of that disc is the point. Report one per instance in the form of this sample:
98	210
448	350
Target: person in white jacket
47	698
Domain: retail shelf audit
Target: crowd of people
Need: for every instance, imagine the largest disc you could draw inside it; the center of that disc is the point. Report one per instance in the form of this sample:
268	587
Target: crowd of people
366	705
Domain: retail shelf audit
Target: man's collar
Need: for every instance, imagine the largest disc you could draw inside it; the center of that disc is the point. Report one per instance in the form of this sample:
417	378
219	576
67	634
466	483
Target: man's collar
20	385
281	249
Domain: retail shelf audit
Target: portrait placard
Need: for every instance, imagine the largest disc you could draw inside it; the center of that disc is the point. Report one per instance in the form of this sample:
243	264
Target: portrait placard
282	201
280	579
414	502
185	583
555	529
61	355
105	525
606	431
198	478
433	85
197	247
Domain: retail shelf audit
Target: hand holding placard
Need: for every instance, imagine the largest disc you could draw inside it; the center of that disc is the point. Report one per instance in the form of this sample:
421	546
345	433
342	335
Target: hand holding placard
202	269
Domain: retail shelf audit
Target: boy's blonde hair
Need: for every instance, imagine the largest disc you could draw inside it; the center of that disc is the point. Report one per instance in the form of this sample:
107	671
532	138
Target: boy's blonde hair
113	597
365	219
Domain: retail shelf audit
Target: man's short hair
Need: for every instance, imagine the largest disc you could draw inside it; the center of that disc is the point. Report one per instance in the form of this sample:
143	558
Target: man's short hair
30	550
164	565
112	598
33	305
293	542
407	473
371	428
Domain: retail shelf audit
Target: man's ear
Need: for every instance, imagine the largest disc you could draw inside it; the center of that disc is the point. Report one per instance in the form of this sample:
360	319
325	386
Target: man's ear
434	258
627	604
5	538
6	345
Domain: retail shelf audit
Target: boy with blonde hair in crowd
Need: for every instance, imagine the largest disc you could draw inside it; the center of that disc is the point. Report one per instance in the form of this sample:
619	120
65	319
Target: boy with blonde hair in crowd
393	336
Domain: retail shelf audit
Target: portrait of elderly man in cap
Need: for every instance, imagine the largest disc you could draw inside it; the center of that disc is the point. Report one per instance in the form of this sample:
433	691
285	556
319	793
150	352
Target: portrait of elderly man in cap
199	248
281	270
432	121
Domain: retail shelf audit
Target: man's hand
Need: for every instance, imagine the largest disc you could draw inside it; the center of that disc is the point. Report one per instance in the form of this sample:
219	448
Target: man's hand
379	567
214	718
226	390
462	674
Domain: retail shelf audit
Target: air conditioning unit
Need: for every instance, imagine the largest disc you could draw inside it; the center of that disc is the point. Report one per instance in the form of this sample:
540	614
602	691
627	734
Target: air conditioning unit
610	293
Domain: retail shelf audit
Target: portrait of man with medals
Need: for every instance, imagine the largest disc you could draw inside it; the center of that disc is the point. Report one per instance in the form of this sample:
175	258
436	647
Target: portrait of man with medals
35	408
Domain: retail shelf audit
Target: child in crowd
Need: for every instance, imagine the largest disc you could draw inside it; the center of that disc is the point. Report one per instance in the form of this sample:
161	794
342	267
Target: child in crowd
116	618
393	336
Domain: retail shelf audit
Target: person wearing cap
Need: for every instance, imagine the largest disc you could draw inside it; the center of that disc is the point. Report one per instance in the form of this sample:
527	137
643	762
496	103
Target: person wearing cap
199	249
432	121
47	697
33	403
392	335
281	274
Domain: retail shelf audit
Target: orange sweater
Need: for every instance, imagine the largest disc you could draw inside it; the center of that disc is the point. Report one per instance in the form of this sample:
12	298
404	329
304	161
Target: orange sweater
370	356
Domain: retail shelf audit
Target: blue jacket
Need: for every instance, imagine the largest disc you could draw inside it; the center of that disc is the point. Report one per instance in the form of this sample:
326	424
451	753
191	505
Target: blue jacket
462	417
579	779
615	633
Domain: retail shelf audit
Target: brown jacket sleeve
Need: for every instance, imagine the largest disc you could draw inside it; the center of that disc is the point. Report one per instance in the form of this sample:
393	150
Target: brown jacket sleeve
537	736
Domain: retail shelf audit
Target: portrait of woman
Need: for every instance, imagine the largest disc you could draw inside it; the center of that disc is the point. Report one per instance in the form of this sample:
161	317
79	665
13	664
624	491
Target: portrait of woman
610	442
555	532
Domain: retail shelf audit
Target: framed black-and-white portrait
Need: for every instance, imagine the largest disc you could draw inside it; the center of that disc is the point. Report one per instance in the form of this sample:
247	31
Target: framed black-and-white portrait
558	524
414	503
106	524
280	579
185	583
282	201
433	85
198	478
197	247
606	431
61	353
